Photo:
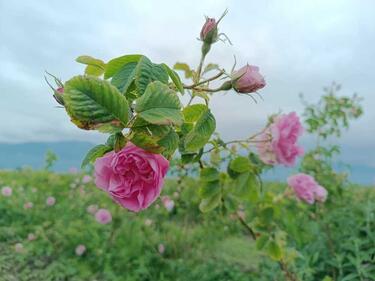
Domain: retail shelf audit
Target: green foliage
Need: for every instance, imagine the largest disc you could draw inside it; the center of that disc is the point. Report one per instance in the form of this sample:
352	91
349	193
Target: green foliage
91	102
49	159
95	67
175	78
94	153
114	65
159	105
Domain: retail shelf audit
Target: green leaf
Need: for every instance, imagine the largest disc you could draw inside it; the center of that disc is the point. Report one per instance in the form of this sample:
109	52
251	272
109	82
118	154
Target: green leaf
209	67
116	64
175	78
261	241
204	125
274	250
91	102
154	138
208	204
124	77
148	72
94	153
185	68
240	164
159	105
95	67
246	186
209	174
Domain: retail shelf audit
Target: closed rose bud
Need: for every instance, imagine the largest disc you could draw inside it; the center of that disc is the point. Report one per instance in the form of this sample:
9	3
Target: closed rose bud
248	79
60	90
209	31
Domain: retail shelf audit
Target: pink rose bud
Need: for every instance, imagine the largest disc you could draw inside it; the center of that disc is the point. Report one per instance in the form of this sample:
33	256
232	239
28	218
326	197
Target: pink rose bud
161	248
80	250
28	205
31	237
133	177
50	201
278	143
248	79
307	189
103	216
6	191
60	90
209	31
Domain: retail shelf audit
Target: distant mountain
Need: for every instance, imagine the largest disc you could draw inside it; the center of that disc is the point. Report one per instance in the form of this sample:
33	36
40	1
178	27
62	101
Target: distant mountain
71	153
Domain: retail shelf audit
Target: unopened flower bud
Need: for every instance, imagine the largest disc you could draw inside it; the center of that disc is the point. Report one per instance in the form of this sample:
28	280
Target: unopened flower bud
209	31
248	79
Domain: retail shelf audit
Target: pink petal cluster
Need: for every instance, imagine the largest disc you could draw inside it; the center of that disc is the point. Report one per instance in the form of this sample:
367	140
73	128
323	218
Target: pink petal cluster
92	209
168	203
133	177
31	237
278	143
103	216
307	189
50	201
28	205
248	79
80	250
6	191
161	248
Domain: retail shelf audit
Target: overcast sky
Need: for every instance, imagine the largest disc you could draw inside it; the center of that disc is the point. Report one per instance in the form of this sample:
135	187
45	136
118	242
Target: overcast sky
300	46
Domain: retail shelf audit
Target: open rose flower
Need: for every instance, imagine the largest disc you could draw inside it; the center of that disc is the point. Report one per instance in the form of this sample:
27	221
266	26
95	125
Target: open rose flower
307	189
133	177
278	143
248	79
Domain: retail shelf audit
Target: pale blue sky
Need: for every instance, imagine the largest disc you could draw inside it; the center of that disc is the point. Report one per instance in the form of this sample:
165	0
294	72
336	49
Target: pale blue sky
300	46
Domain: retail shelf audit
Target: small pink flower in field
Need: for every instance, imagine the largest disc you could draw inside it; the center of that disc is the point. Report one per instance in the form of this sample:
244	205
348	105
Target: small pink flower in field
86	179
80	250
6	191
307	189
92	209
168	203
148	222
18	247
73	170
161	248
50	201
31	237
278	143
103	216
321	194
28	205
34	190
133	177
248	79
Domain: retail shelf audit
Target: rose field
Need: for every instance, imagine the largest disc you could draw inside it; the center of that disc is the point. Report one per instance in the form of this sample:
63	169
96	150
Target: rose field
181	147
40	243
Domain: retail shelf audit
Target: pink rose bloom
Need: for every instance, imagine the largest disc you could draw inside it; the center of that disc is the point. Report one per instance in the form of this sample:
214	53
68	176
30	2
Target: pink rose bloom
86	179
103	216
28	205
209	25
248	79
80	250
6	191
278	144
50	201
168	203
133	177
161	248
92	209
31	237
307	189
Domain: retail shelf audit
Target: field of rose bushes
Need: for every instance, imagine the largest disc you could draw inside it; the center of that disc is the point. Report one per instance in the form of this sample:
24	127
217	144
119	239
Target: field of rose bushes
51	228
